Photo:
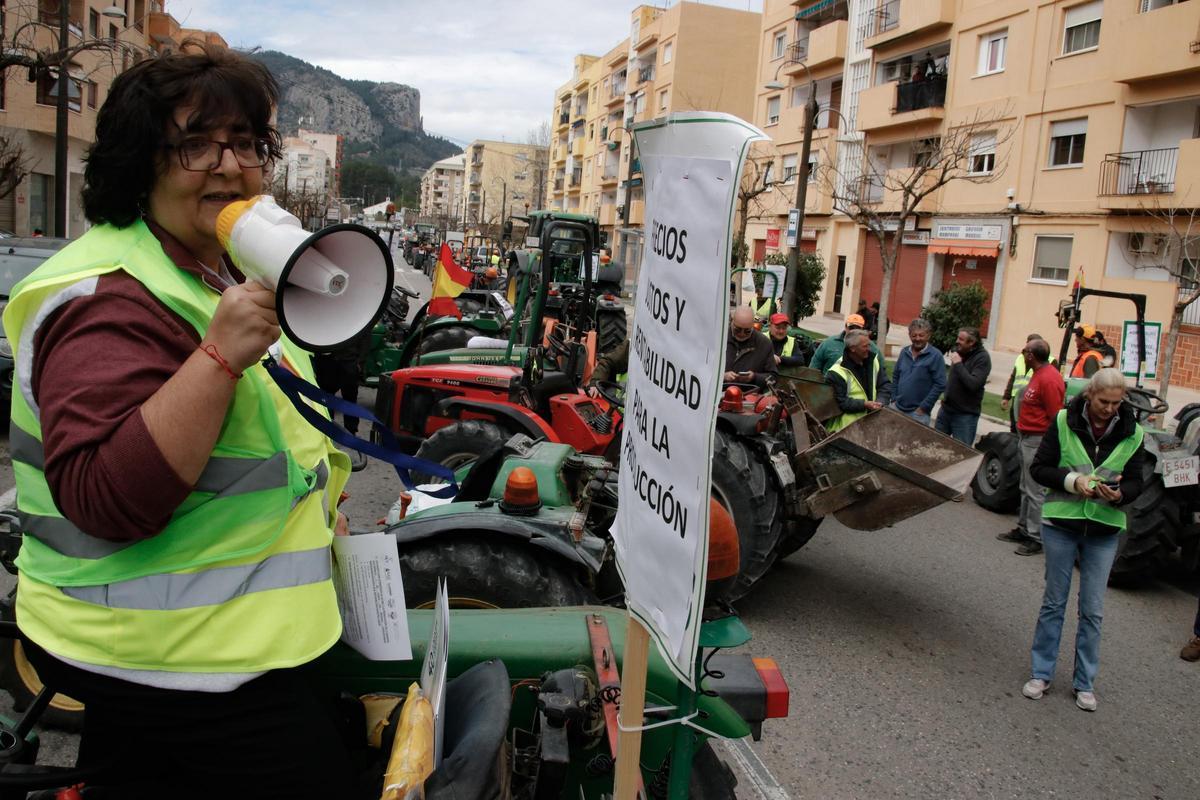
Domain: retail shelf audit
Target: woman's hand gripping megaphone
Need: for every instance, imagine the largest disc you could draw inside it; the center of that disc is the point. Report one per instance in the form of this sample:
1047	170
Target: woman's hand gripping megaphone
244	325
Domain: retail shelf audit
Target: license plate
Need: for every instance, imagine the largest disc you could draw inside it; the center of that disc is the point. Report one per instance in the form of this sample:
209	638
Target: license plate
1181	471
783	469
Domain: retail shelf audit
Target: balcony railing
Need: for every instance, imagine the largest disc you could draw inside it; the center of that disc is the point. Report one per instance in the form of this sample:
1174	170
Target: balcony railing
564	118
645	74
577	178
879	18
618	90
870	189
636	166
798	51
1139	172
914	95
558	184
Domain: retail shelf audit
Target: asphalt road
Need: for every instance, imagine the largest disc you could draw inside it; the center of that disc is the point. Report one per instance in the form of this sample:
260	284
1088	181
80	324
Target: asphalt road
905	651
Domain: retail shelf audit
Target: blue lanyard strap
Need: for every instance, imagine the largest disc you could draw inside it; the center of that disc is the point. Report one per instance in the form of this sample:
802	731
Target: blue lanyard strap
389	451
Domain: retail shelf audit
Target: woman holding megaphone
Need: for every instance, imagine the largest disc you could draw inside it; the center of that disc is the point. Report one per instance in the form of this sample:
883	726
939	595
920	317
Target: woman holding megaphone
175	572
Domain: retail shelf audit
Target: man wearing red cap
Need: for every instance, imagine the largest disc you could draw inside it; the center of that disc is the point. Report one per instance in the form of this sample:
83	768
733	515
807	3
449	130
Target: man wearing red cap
787	350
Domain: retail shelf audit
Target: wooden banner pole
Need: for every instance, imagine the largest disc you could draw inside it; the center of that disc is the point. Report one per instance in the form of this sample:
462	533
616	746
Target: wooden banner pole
633	704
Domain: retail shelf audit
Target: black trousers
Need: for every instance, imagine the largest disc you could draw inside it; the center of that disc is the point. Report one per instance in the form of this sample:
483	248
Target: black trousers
338	375
277	736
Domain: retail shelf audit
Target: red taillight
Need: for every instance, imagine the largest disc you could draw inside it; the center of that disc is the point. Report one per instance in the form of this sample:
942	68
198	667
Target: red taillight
553	293
610	296
777	690
731	400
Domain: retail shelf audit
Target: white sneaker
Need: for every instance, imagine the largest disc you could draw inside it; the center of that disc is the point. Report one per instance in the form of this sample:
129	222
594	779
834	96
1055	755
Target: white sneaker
1035	688
1085	700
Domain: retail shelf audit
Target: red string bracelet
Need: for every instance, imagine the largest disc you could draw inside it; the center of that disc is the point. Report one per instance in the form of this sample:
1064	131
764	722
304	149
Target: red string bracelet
211	351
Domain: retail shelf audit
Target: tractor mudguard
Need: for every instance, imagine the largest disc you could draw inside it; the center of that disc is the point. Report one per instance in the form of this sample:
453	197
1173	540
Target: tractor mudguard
517	419
738	424
548	530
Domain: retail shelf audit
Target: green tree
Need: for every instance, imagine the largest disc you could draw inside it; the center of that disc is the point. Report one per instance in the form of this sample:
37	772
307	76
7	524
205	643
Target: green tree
960	306
808	282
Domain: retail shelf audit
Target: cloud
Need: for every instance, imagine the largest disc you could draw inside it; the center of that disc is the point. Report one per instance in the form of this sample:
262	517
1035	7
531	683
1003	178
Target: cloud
486	70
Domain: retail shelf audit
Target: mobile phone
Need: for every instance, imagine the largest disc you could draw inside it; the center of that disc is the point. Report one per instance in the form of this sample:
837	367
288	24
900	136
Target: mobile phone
1113	485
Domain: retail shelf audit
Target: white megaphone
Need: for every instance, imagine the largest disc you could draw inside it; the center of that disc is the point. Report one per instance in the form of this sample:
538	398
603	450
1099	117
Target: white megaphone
330	286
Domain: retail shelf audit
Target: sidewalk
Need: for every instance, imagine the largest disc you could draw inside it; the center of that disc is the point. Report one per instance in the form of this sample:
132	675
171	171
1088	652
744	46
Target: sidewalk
1002	365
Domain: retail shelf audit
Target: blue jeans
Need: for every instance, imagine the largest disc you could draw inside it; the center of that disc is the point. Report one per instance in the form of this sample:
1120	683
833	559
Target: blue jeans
959	425
924	419
1096	555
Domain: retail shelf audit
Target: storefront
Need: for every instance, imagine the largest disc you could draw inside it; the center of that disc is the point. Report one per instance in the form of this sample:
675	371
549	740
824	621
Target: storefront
963	251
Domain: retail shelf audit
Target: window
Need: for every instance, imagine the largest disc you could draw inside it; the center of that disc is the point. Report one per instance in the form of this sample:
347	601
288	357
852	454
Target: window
778	44
93	23
1066	142
47	88
112	31
668	52
41	201
1081	27
992	47
773	110
789	167
813	160
769	173
662	100
1052	258
639	103
983	154
925	152
92	92
1154	5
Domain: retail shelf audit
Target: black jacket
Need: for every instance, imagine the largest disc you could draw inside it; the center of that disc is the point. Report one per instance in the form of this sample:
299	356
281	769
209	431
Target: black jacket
753	355
796	359
881	390
967	379
1046	471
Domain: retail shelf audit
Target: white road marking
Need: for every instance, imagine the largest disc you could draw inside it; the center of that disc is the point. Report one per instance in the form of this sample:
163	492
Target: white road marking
754	770
7	498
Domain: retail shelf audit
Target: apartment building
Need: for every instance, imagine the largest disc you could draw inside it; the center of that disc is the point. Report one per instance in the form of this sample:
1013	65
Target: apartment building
688	57
126	32
501	179
1092	113
442	189
332	145
304	170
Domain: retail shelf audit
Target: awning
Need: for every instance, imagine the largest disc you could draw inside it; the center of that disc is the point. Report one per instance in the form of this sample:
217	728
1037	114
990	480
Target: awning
964	247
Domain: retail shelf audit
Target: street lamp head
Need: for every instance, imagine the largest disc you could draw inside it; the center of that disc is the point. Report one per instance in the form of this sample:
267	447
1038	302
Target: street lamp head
112	12
774	85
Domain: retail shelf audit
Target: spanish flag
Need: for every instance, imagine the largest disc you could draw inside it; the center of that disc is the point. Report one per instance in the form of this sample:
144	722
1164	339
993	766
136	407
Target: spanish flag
449	280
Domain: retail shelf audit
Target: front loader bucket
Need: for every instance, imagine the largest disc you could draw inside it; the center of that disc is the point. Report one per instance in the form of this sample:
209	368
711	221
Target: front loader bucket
884	468
812	389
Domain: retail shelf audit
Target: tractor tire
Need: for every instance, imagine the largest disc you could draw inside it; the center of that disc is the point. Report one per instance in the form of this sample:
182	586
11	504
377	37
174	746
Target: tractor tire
997	484
611	330
489	571
793	540
1152	528
741	484
20	679
445	339
711	778
457	444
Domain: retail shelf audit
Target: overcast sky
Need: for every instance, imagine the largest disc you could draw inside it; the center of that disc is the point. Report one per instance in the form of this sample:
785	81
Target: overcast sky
485	69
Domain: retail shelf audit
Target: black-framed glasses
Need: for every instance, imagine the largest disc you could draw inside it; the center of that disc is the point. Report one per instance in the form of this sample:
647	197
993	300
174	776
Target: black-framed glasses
739	329
197	154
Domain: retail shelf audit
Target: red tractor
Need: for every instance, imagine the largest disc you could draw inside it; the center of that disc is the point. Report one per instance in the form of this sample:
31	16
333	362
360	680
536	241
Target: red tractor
455	411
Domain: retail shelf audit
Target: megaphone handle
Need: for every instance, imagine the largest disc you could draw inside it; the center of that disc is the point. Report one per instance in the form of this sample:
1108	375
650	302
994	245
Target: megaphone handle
295	387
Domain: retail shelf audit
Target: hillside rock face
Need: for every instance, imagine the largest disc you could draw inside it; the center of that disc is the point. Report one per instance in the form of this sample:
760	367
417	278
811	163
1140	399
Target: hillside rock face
360	110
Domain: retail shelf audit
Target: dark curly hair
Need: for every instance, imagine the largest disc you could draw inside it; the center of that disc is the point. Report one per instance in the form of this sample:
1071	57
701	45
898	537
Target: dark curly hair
223	87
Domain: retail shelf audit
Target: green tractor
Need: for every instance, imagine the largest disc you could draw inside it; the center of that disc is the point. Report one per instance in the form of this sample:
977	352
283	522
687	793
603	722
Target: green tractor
1160	520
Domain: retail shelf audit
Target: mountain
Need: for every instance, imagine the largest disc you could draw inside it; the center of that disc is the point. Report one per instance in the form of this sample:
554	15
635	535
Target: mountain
381	121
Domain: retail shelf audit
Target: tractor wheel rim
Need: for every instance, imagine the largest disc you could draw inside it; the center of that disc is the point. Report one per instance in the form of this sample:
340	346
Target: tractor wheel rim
992	471
33	683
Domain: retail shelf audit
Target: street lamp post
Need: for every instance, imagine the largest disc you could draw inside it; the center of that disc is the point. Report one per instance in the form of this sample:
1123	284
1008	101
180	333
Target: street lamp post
791	279
61	118
625	207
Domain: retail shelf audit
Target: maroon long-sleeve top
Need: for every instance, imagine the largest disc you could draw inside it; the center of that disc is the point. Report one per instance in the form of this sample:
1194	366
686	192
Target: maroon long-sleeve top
97	359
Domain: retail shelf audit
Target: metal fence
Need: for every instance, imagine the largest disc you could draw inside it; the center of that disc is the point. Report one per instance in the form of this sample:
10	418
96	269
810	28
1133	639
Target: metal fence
1139	172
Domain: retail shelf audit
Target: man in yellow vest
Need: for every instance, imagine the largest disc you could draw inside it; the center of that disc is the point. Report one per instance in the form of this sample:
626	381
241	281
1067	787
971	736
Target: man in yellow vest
860	381
1018	379
787	351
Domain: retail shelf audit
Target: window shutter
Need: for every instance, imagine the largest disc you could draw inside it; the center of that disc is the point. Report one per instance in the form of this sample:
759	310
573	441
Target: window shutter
1086	12
1068	127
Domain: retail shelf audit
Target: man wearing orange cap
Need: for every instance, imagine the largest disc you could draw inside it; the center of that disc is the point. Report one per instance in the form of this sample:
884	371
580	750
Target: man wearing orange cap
1088	357
788	352
833	347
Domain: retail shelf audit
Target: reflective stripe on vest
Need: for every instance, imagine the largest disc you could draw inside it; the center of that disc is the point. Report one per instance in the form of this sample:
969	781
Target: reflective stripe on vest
1061	504
260	511
854	390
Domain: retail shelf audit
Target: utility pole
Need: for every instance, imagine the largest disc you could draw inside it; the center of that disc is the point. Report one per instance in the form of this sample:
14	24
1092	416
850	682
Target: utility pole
61	122
790	281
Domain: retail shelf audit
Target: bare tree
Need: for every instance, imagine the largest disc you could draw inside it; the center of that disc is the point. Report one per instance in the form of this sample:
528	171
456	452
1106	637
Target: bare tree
756	182
30	25
881	198
1176	234
14	164
539	136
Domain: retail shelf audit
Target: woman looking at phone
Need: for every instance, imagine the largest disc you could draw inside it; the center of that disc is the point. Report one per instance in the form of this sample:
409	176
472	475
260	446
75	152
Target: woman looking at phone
1090	460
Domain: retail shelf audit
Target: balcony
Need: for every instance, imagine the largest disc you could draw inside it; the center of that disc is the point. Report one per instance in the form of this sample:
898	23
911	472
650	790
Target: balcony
608	214
1174	51
824	46
564	118
645	74
616	94
577	146
558	184
610	175
881	191
576	179
890	21
1167	177
892	105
